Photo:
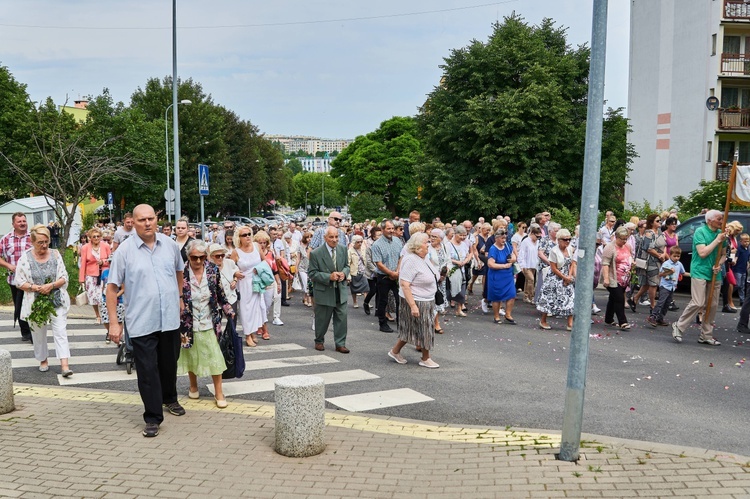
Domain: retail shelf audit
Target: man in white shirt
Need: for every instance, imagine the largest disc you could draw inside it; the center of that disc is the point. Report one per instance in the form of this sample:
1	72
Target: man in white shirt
296	234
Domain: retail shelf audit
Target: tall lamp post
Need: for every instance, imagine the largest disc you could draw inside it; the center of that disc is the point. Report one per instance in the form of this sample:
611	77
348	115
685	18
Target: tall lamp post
322	193
306	193
166	145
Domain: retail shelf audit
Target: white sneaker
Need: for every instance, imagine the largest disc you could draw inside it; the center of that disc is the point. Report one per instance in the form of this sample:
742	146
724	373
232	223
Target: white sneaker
313	325
595	309
645	302
277	322
502	311
485	308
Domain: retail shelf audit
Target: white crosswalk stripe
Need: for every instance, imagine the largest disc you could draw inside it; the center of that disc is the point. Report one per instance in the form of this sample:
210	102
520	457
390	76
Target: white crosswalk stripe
88	348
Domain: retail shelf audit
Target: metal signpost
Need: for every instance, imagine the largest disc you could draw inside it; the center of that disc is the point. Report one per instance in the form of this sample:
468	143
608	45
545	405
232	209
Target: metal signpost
203	191
169	196
110	204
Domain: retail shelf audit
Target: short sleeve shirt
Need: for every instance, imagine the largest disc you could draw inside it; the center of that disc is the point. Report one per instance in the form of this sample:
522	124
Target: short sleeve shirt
702	268
12	247
152	297
121	235
421	274
387	251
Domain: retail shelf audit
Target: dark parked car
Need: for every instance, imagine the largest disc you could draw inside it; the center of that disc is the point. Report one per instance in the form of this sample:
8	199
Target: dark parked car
687	228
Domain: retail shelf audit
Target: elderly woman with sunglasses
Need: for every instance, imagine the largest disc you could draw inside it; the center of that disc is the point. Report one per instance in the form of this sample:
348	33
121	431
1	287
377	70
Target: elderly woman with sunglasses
247	256
200	322
41	272
557	295
615	275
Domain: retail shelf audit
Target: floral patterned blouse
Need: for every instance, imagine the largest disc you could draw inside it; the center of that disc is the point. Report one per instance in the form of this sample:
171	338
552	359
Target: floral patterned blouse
217	303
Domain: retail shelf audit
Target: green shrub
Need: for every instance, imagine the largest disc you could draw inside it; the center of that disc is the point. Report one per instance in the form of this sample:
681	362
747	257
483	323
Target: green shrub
566	218
5	296
641	210
711	194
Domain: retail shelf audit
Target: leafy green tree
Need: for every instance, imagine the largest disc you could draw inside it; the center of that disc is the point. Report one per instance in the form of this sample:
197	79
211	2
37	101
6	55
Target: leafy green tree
313	184
711	194
367	205
383	163
16	121
504	131
295	166
617	156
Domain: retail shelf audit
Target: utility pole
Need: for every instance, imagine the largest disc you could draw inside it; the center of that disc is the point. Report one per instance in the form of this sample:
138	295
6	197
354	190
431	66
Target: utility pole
579	338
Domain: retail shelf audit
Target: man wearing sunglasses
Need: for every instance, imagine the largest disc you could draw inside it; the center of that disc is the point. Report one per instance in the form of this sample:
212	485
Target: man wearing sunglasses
334	220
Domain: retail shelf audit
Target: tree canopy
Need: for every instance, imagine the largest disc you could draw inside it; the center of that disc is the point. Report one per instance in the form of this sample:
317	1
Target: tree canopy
382	163
504	131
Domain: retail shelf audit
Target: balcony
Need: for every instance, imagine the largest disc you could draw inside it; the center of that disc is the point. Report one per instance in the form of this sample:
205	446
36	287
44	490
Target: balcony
735	64
724	169
736	10
734	119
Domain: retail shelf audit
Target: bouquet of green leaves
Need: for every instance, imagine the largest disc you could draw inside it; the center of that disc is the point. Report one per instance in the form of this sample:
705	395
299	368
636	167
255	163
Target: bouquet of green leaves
42	310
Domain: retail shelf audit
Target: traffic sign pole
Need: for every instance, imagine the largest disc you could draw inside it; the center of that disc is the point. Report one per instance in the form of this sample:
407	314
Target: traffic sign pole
203	191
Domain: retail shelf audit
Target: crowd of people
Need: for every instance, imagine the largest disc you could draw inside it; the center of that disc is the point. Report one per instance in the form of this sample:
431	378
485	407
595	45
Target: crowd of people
173	291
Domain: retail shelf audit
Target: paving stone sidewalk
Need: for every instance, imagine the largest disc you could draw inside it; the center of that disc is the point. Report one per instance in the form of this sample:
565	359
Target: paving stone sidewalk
72	442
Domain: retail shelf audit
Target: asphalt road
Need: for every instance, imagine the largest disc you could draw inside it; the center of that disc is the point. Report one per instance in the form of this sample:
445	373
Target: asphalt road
640	384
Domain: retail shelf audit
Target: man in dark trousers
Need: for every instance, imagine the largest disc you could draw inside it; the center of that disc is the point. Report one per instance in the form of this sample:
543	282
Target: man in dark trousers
150	267
329	271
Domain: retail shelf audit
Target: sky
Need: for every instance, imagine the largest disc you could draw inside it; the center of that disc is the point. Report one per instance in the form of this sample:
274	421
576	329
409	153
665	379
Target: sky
331	68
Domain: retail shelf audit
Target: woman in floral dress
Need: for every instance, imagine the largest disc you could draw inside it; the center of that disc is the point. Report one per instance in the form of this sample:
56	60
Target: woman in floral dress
439	258
558	292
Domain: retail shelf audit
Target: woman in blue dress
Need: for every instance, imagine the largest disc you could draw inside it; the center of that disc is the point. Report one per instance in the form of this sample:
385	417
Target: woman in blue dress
501	286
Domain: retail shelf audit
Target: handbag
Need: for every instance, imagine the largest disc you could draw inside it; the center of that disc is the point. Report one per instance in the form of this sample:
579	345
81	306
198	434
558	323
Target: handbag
359	284
285	273
297	283
641	263
82	299
731	279
516	268
226	344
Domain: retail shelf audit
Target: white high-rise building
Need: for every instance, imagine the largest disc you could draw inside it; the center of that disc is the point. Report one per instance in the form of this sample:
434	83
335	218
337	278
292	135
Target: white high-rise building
682	52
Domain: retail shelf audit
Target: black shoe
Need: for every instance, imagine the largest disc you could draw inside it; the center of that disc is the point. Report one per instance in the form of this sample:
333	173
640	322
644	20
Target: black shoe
729	310
673	306
175	408
284	303
151	430
366	306
632	304
743	329
26	338
385	328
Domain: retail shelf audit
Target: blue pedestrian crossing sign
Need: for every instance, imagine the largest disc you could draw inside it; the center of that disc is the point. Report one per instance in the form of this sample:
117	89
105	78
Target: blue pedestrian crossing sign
203	180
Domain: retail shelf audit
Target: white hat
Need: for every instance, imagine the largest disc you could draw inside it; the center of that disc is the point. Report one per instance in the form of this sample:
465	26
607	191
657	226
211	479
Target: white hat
216	248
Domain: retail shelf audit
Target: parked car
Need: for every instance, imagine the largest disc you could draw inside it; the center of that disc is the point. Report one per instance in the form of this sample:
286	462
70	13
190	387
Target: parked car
238	219
687	228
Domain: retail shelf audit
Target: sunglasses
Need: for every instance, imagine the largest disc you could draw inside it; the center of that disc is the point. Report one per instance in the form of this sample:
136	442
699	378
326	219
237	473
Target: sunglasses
219	256
567	240
336	219
195	258
246	234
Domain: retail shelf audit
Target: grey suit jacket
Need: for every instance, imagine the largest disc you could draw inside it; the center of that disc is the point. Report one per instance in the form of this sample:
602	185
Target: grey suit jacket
320	269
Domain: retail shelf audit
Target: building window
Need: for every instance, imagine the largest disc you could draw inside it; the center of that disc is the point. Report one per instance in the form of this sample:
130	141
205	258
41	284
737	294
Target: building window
713	44
709	146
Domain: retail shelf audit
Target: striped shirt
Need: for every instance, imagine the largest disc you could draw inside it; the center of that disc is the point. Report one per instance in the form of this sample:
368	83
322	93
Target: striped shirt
12	247
319	237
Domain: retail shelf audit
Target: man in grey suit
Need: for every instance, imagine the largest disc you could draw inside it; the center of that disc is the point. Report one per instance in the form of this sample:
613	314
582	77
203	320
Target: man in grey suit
329	271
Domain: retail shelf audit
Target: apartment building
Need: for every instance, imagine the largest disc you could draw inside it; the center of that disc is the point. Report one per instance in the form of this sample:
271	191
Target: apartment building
310	145
682	53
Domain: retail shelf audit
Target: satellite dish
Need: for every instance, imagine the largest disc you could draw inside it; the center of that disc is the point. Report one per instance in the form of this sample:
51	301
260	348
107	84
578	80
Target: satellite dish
712	103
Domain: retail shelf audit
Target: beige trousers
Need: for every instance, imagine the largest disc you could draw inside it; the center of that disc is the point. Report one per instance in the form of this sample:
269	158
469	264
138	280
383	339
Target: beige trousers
698	296
528	288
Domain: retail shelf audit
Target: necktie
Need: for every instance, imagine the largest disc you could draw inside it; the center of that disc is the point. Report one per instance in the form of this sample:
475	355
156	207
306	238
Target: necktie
333	257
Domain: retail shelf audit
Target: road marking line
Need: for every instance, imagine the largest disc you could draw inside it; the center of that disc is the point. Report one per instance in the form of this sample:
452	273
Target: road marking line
74	361
97	377
71	332
274	347
80	345
268	384
377	400
80	322
309	360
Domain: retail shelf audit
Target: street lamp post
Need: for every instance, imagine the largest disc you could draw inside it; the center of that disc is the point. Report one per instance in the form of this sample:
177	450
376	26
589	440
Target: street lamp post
166	145
322	193
306	193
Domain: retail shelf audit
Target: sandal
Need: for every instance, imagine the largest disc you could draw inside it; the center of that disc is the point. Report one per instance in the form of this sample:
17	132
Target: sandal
460	314
625	326
266	336
546	327
438	331
249	342
497	321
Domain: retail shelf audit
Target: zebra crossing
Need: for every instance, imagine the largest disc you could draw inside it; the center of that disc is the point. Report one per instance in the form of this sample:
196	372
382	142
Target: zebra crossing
93	361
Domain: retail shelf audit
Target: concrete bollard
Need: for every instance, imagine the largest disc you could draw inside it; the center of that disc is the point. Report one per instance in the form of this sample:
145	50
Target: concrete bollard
300	415
6	383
